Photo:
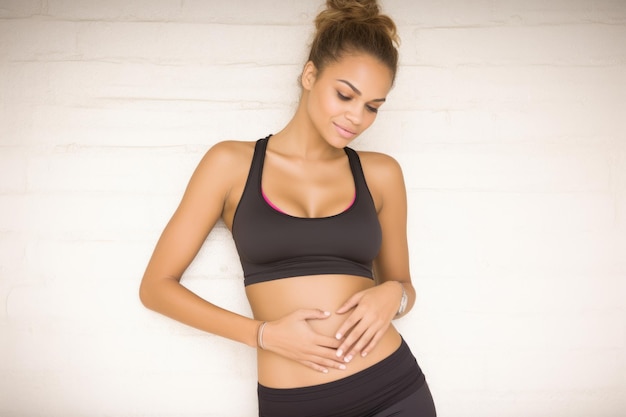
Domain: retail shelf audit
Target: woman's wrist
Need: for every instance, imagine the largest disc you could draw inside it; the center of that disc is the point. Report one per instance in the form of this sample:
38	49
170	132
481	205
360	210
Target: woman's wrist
259	335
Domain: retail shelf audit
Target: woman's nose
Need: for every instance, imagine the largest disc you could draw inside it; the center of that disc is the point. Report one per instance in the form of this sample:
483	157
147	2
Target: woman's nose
354	114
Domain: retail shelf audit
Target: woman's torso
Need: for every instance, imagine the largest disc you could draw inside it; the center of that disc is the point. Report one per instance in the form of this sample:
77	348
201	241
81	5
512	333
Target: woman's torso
273	299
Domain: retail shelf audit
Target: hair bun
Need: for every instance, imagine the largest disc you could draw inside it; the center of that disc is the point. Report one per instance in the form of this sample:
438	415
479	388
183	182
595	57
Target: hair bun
354	9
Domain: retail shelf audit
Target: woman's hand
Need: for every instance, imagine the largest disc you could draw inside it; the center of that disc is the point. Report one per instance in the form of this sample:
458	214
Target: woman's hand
372	312
293	338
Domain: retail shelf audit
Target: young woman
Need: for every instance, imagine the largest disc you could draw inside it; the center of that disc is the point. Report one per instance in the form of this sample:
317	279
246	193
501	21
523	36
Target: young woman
321	234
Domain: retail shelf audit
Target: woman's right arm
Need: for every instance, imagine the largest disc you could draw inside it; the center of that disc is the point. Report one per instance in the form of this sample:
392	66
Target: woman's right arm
199	210
223	166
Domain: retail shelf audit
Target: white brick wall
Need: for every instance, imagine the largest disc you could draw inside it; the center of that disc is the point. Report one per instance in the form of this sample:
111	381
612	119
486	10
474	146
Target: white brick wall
508	119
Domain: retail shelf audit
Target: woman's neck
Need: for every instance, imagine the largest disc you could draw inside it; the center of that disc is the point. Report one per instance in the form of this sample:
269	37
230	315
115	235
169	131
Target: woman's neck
300	138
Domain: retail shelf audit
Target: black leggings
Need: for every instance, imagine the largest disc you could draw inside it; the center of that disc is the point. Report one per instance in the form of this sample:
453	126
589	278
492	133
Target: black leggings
393	387
418	404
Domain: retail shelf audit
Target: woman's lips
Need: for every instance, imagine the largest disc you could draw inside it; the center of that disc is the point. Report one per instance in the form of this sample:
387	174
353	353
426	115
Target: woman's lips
345	133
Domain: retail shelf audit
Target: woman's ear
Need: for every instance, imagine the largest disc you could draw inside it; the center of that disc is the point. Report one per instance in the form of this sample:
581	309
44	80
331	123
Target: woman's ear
309	73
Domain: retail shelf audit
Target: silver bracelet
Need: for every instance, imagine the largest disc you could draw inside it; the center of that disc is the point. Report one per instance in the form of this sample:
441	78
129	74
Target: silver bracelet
259	337
403	301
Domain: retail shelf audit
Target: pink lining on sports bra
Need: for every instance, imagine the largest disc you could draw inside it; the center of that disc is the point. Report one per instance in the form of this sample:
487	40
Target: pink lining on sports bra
272	205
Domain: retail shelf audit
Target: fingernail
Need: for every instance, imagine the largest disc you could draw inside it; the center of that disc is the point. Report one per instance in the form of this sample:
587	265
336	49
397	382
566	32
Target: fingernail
327	313
339	352
325	371
338	336
342	367
364	354
348	358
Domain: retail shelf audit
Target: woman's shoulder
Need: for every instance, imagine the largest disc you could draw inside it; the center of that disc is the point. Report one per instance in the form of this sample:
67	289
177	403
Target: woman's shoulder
384	178
228	151
379	165
225	161
228	155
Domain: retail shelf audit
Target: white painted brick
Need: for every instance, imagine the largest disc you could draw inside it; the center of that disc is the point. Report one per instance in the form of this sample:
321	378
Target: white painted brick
270	12
506	105
108	357
41	40
481	214
26	40
618	167
563	253
19	8
107	264
526	168
106	85
23	83
80	262
538	12
124	393
492	234
47	302
579	45
606	11
531	255
107	104
181	124
521	294
558	371
148	170
458	13
610	11
12	169
12	254
432	13
184	43
501	332
86	216
516	88
546	124
264	11
154	10
16	116
12	268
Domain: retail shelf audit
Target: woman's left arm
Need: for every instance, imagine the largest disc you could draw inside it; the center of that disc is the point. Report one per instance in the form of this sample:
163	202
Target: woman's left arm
372	310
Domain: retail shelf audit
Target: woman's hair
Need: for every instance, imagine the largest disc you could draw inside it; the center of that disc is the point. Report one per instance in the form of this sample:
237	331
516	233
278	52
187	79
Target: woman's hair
354	26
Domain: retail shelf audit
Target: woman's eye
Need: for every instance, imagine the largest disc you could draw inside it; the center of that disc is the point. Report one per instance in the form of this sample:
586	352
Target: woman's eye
370	109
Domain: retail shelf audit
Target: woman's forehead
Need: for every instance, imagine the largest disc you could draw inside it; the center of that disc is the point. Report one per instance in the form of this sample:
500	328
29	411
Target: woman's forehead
363	71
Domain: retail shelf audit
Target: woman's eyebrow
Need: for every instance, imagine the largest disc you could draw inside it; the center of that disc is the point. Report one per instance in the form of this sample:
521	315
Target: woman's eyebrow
358	92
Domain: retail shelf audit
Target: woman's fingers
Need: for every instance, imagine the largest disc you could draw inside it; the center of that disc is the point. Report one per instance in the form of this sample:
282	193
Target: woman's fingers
322	360
294	338
312	314
365	334
322	365
327	341
347	325
364	345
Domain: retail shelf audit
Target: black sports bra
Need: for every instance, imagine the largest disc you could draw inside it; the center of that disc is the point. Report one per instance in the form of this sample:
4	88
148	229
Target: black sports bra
274	245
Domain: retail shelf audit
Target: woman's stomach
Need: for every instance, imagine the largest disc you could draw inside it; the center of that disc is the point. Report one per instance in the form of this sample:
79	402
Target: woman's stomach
273	300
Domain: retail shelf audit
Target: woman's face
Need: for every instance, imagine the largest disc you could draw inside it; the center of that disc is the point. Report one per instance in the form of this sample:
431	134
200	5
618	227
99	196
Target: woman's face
344	99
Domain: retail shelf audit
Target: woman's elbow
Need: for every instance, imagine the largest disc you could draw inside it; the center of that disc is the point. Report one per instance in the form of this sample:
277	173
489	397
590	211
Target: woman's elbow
146	294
